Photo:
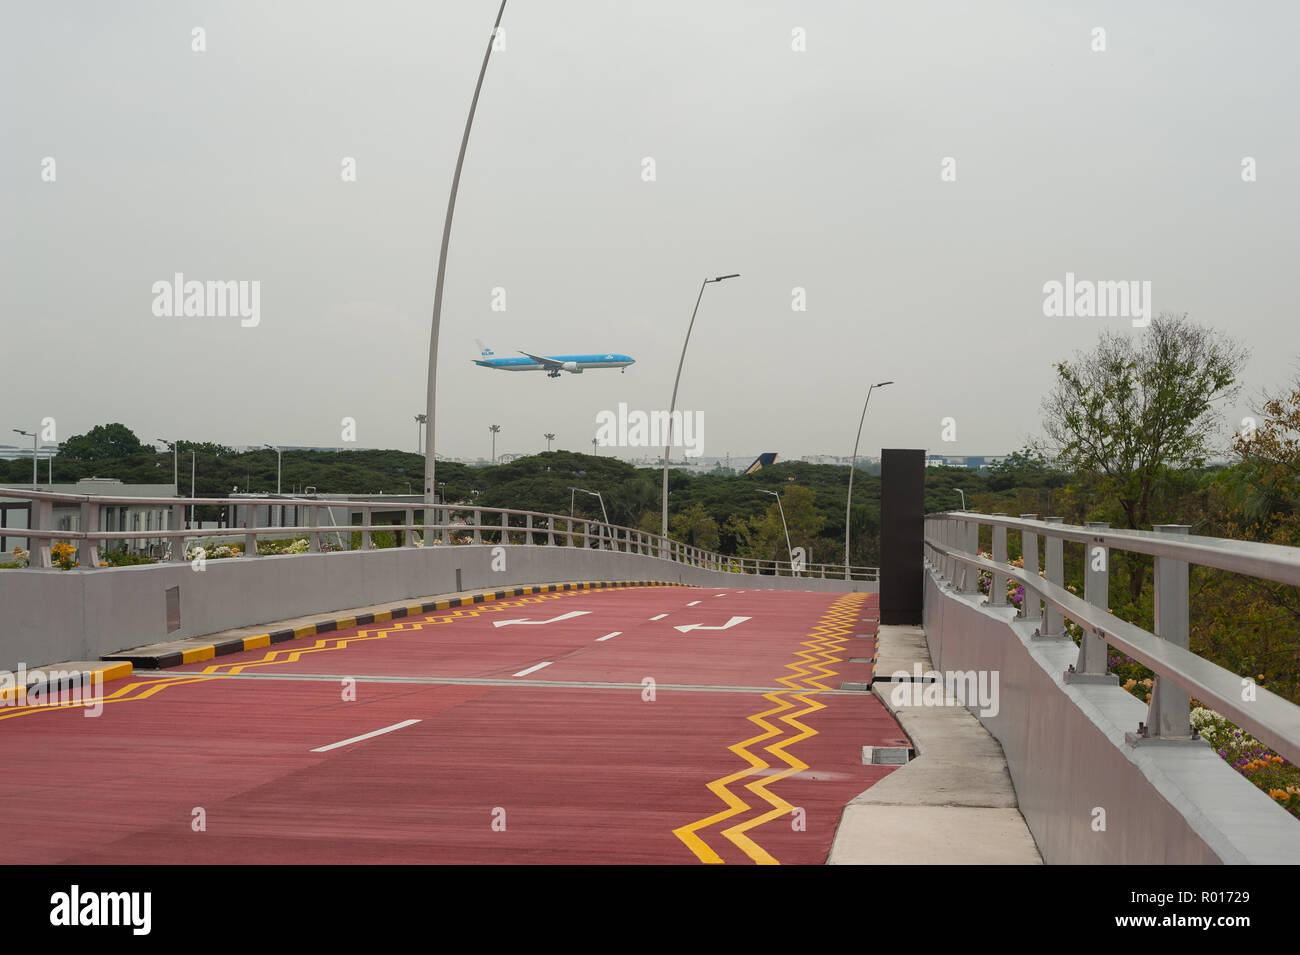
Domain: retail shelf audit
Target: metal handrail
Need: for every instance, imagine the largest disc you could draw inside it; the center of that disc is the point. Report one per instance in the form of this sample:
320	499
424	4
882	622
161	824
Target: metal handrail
1272	719
508	521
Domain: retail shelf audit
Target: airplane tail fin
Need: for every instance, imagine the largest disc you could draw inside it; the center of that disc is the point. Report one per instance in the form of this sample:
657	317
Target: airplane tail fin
483	350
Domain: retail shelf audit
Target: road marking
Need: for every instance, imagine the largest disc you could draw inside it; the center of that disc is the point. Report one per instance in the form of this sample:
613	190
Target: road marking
660	617
608	635
564	616
533	669
687	628
358	739
719	595
692	603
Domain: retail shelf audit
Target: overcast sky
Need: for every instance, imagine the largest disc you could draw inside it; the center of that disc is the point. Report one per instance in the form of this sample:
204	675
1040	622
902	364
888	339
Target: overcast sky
817	169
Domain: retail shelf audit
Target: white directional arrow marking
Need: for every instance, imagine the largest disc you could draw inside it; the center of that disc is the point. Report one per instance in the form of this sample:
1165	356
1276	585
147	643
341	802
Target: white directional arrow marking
699	626
564	616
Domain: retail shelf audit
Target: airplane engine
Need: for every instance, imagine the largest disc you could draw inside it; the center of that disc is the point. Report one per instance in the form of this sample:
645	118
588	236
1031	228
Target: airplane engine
572	366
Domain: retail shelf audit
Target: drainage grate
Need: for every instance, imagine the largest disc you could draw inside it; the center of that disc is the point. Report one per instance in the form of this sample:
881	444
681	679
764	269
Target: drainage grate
863	687
862	659
886	755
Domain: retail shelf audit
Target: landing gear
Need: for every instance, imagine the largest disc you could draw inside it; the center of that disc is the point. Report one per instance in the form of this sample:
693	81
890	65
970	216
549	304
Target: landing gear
552	374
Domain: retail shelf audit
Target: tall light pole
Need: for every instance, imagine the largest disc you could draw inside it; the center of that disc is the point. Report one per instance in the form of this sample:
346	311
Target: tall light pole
672	406
35	479
963	497
420	419
595	494
593	447
549	438
848	507
431	392
789	549
176	465
277	465
494	428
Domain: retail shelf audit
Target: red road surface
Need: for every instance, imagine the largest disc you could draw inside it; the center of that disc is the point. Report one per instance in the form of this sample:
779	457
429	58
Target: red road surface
500	769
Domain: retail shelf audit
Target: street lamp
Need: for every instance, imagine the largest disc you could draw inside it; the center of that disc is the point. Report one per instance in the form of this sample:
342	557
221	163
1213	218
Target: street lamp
673	404
788	548
277	465
848	507
549	438
35	478
595	494
431	392
963	497
420	419
494	428
593	447
176	465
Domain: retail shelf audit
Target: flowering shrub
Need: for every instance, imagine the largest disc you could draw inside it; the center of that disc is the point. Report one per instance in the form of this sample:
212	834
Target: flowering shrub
64	555
1267	770
208	552
21	557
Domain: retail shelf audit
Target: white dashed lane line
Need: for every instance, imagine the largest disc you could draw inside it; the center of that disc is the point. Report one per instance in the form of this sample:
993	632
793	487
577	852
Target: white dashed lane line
608	635
358	739
533	669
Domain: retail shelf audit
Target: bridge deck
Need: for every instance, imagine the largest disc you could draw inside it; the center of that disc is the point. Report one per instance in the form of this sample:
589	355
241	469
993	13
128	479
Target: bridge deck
532	742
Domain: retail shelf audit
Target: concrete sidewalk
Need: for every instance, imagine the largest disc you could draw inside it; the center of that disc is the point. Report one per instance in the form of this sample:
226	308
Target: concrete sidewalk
953	803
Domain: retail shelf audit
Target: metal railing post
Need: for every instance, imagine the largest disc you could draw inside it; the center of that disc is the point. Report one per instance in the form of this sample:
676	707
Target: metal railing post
1168	715
550	531
970	542
1054	564
38	549
528	528
176	523
1091	665
1030	606
478	526
366	516
505	527
313	519
250	531
409	534
998	583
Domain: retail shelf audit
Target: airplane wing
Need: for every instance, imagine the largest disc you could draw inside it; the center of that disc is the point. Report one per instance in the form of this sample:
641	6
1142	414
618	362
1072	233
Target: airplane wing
550	364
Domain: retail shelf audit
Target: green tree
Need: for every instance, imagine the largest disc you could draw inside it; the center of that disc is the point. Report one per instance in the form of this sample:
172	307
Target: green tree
104	442
695	527
1135	409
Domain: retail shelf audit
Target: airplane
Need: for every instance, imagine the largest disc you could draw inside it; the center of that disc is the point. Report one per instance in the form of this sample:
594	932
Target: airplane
552	364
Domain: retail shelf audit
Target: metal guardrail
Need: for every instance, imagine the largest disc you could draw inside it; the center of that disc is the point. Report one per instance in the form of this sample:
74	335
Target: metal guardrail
952	551
507	526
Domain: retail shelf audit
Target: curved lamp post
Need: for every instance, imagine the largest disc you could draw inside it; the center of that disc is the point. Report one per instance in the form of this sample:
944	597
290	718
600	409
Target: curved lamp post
672	406
848	507
429	463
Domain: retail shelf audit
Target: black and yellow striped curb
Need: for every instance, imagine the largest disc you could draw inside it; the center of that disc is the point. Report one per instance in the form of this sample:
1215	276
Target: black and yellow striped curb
55	678
160	656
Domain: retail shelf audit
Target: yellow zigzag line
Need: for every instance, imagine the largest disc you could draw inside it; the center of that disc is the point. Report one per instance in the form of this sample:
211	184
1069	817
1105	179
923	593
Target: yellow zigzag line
146	689
825	640
719	786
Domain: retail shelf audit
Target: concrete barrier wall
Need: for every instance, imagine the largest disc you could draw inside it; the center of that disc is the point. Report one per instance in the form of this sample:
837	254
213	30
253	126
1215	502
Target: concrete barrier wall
1066	750
48	616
